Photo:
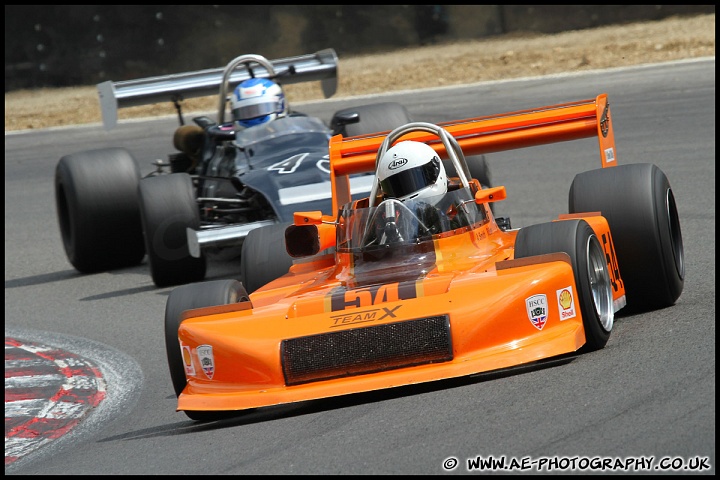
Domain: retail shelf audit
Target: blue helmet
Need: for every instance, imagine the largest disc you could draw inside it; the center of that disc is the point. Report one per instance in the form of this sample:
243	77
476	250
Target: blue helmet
256	101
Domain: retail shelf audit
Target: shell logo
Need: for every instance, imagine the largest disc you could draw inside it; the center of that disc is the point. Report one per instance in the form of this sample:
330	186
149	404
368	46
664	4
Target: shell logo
566	303
565	299
187	360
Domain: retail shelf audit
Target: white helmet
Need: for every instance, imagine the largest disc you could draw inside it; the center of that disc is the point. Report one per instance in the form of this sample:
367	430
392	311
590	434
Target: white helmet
411	170
256	101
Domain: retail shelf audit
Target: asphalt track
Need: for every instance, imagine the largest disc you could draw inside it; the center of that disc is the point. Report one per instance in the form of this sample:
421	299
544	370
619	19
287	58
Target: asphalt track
87	389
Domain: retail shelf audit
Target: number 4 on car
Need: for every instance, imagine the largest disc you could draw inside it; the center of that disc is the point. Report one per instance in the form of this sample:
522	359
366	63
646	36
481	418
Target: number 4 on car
227	176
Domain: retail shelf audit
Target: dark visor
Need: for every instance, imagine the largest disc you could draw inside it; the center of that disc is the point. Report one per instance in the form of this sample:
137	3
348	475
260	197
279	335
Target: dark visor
411	180
258	110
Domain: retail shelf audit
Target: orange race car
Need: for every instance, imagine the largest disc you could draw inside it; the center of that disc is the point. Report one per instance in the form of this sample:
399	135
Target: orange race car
396	289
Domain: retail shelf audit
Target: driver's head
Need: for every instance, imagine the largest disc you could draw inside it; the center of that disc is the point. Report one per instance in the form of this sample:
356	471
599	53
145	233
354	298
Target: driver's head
411	170
256	101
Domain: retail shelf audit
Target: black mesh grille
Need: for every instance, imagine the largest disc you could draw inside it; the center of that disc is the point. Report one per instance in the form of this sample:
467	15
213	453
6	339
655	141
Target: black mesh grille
366	350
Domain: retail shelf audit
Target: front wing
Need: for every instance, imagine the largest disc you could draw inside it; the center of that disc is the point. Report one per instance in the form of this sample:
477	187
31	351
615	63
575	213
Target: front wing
438	327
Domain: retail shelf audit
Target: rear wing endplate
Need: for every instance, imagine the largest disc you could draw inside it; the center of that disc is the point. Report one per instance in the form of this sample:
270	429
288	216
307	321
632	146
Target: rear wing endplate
320	66
480	135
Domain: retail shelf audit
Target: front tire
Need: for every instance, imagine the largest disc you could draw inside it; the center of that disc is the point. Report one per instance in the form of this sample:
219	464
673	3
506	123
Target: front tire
98	211
168	208
186	297
264	256
592	277
640	208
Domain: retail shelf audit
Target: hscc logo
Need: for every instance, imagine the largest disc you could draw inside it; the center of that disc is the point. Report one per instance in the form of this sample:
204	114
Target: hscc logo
537	309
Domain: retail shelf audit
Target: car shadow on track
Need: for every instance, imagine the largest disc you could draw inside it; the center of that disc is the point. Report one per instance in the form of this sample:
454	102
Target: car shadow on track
266	414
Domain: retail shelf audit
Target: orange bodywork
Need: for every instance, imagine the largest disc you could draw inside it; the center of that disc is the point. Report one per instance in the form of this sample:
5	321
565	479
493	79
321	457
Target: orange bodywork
465	302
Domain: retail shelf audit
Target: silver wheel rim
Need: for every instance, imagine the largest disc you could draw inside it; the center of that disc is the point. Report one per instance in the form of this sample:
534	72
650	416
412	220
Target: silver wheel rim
600	285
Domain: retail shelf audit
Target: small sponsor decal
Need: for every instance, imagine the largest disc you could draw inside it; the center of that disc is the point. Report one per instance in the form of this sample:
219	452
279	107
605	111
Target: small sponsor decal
187	360
537	310
566	303
364	316
207	361
397	163
605	121
609	155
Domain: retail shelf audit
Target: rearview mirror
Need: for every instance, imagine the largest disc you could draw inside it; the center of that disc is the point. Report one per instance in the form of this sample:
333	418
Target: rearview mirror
493	194
308	218
307	240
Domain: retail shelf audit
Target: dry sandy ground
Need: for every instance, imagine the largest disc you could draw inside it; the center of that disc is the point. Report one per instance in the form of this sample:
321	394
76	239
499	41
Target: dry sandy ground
438	65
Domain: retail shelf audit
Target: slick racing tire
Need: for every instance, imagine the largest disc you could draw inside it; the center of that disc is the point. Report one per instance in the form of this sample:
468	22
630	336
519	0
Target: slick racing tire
590	269
479	170
168	208
264	257
376	117
639	205
98	211
478	166
186	297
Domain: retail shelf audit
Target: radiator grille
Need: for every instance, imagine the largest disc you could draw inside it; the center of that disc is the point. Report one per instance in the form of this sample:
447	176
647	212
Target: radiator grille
366	350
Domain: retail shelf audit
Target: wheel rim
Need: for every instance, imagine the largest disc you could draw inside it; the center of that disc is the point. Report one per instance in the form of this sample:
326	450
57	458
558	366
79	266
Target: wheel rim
600	285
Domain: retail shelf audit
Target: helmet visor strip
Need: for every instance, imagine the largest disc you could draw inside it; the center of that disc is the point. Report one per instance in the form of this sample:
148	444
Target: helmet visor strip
409	181
247	112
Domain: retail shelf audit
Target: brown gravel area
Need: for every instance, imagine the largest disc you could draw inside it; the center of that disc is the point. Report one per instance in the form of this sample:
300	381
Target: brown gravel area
495	58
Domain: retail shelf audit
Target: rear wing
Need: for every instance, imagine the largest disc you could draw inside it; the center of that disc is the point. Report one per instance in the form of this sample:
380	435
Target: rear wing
479	135
319	66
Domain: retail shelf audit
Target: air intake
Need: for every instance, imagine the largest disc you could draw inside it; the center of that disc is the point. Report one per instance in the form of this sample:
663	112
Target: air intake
366	350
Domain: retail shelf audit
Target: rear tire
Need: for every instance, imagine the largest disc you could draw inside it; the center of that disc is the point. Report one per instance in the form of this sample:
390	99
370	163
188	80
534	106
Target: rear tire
640	208
264	257
592	277
186	297
377	117
479	169
168	208
97	209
